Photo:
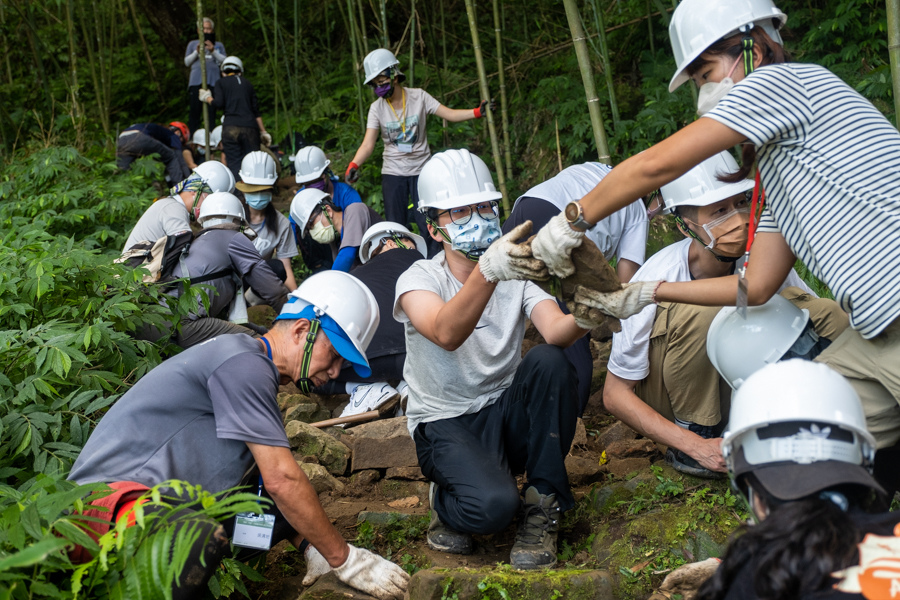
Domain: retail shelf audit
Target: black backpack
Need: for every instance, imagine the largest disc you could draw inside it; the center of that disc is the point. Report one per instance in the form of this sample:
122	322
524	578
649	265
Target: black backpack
161	256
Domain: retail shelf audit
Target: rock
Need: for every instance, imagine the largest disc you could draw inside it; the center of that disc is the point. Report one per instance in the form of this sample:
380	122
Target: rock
320	478
329	587
408	502
306	440
583	471
381	429
382	444
411	473
364	478
381	519
288	400
642	448
580	438
435	584
394	489
603	332
620	467
261	315
616	432
307	413
609	496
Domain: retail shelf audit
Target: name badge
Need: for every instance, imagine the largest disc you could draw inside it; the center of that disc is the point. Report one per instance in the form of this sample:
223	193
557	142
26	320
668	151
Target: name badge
405	147
253	531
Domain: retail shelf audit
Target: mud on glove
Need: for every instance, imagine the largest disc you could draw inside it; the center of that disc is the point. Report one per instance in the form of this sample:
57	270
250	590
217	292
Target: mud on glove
316	565
554	243
373	575
621	304
504	260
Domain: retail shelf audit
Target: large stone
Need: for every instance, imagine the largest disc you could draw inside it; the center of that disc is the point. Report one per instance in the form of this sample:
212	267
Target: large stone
320	478
410	473
620	467
307	413
394	489
382	445
583	471
642	448
367	477
437	584
381	429
306	440
616	432
329	587
288	400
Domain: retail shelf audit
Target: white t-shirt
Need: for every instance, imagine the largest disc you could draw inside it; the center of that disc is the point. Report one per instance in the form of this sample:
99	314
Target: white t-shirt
404	132
622	234
830	165
629	358
281	242
166	216
444	384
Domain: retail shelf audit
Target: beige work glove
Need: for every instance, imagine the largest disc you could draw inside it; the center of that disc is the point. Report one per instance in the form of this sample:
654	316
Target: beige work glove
266	138
373	575
621	304
554	243
505	260
586	317
204	95
316	565
687	579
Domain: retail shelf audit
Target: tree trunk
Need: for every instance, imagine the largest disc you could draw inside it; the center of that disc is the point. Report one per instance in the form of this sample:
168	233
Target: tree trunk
893	22
501	75
171	21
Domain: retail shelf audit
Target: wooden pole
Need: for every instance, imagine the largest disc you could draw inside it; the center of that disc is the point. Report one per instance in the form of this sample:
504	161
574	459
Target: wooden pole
486	95
893	22
385	40
504	114
412	45
607	67
201	48
587	78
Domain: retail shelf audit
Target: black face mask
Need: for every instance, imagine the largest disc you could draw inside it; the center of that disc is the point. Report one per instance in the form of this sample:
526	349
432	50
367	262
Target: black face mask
211	37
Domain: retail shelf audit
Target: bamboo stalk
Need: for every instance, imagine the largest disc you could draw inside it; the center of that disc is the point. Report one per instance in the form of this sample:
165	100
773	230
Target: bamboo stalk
650	29
587	78
137	26
201	49
504	114
893	23
355	61
296	34
385	40
269	51
607	67
362	28
412	45
98	93
486	95
6	51
39	63
558	147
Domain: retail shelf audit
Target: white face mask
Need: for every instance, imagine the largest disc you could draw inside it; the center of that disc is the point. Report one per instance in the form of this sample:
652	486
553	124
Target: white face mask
324	234
711	93
475	236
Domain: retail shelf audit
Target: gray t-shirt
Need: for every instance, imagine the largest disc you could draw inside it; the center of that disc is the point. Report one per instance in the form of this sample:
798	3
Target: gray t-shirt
213	60
190	418
403	131
166	216
280	244
357	218
444	384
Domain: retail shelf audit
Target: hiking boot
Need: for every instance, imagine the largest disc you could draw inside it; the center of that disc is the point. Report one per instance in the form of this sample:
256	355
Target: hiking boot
442	538
368	396
683	463
535	546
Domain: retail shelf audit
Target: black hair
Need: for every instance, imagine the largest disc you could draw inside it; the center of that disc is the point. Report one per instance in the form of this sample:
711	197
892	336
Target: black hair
691	213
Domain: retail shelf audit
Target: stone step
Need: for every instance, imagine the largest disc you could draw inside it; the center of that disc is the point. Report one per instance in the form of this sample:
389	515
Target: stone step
470	584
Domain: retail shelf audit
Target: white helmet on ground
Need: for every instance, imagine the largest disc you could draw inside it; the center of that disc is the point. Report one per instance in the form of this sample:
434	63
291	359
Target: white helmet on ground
215	138
701	187
310	163
216	176
800	428
381	232
232	63
258	168
738	347
304	205
377	61
221	208
698	24
455	178
348	303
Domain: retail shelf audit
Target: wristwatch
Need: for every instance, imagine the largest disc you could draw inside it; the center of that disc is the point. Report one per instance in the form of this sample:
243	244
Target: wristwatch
575	217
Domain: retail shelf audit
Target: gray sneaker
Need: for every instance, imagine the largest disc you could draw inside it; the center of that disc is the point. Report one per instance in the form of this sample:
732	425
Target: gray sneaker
442	538
535	546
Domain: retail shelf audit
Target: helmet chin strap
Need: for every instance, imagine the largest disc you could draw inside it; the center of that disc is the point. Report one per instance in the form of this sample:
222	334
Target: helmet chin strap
304	384
693	235
473	255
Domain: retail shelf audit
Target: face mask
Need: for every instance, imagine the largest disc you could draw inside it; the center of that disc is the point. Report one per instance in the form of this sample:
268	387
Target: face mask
473	238
258	200
317	185
324	234
383	91
728	234
711	93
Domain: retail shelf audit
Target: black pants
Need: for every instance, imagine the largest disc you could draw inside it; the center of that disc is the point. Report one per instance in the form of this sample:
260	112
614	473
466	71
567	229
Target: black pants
238	142
540	211
401	205
473	459
134	145
195	117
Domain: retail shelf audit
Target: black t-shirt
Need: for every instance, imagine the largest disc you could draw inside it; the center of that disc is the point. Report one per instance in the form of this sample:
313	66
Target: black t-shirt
234	95
380	275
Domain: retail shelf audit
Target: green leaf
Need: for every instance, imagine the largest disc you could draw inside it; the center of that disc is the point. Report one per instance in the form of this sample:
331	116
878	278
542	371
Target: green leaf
32	554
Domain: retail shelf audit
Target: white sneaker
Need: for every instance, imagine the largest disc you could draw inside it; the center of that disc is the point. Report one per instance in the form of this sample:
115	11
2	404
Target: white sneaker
403	390
368	396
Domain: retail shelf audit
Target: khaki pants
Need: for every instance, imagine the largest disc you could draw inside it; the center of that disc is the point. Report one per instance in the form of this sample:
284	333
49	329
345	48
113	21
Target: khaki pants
683	383
873	369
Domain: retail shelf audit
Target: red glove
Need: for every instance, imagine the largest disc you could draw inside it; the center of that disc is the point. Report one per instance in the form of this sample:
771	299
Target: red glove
482	108
352	174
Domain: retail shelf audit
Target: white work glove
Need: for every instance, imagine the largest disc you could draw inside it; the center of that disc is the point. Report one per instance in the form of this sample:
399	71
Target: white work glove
266	138
586	317
554	243
687	579
316	565
204	95
621	304
505	260
373	575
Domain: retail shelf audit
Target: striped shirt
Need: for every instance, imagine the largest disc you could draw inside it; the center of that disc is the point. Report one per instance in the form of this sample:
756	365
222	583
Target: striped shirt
830	165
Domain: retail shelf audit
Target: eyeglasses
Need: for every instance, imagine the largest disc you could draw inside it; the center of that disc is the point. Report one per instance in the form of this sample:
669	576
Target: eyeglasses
463	214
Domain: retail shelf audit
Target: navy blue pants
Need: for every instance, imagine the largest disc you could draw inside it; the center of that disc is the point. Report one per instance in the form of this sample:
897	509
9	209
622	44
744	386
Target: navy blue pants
401	205
134	145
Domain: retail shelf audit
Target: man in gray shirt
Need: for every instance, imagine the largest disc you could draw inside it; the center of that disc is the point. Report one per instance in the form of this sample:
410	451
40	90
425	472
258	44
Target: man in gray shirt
207	415
479	413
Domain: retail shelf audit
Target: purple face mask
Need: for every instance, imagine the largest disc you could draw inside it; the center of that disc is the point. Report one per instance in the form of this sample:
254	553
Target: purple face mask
383	91
317	185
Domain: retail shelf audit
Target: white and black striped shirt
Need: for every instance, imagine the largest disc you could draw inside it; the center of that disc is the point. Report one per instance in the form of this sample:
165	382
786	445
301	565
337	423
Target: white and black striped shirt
830	165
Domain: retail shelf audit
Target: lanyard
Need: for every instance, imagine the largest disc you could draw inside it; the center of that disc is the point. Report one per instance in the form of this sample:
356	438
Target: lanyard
401	121
269	353
757	204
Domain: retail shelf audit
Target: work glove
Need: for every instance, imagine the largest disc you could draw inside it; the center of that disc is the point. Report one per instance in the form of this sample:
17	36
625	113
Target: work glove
372	574
621	304
205	95
481	111
554	243
266	138
586	317
505	260
352	174
316	565
687	579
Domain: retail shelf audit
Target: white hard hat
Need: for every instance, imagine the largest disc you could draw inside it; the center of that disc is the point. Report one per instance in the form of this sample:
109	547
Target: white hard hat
200	138
219	208
216	175
738	347
701	187
698	24
304	204
310	163
800	428
378	232
215	138
347	301
455	178
377	61
234	62
258	168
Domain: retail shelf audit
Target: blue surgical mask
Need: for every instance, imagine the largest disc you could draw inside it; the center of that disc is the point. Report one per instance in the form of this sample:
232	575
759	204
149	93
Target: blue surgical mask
258	200
473	238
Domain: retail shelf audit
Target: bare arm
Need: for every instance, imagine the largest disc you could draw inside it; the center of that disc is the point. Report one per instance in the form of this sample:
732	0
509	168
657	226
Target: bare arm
455	115
289	281
620	400
367	147
188	158
295	497
259	123
556	327
626	269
